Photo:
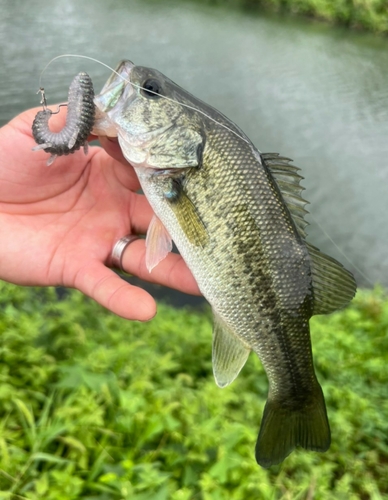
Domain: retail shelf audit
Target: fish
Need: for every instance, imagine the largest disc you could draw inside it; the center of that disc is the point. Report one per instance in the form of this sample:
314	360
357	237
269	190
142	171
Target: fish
237	217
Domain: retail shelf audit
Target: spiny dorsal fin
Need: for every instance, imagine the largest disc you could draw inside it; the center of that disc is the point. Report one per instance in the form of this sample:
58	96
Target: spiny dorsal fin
288	179
229	353
333	285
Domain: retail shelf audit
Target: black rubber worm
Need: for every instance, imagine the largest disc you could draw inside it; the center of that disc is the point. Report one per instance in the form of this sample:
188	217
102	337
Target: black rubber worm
79	121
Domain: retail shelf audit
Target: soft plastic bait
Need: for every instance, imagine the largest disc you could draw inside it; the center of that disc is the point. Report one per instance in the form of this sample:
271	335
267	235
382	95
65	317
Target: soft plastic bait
79	121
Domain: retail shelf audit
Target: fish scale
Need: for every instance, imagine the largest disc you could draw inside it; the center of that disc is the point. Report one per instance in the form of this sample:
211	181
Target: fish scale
237	218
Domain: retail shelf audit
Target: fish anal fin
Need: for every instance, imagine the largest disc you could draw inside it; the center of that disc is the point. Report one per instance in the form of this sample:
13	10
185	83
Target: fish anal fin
158	243
334	286
285	427
229	354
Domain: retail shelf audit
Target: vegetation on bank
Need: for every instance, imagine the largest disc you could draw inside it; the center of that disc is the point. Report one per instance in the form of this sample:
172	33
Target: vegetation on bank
94	407
371	15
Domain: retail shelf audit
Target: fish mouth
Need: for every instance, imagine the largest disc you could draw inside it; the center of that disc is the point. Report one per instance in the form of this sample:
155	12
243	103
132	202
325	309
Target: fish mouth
117	88
109	102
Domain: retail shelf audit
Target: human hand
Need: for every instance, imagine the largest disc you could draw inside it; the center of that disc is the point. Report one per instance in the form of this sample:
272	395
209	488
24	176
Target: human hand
58	224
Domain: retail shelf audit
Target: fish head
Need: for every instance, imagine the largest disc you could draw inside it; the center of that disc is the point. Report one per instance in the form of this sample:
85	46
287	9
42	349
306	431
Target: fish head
152	117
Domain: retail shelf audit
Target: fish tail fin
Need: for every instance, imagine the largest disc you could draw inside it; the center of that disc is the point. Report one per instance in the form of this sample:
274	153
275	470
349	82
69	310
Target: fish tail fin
285	426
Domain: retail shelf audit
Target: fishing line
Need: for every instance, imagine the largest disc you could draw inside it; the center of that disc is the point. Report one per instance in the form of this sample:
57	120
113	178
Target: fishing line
340	251
193	108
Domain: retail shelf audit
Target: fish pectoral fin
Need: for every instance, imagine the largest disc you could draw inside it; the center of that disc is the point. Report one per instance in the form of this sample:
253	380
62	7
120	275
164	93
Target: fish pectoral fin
158	243
190	220
333	285
229	354
283	428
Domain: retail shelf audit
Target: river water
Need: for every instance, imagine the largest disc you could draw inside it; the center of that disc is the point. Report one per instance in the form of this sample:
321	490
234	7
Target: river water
315	93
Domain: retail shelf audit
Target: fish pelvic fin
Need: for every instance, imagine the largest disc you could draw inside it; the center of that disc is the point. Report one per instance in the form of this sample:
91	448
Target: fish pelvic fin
229	353
285	427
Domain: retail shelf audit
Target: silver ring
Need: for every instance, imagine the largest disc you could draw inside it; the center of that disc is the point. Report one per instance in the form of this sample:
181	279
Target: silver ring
119	248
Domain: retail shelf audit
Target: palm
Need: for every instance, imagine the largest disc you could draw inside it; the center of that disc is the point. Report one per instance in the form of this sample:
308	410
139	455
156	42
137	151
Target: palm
58	224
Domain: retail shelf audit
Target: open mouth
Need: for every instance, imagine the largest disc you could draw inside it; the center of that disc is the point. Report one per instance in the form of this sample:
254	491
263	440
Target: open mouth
117	86
110	100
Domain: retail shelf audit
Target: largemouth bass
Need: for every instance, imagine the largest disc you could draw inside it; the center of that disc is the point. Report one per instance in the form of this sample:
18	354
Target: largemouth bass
237	218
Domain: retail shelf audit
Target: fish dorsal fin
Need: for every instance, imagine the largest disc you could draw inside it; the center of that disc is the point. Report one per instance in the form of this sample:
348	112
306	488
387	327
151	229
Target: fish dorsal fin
288	179
158	243
333	285
229	353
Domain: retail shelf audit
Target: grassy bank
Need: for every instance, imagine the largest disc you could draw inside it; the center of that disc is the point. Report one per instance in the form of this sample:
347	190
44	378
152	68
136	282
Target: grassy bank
95	407
371	15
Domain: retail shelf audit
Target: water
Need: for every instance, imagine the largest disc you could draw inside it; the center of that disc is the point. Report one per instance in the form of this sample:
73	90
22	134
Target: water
311	92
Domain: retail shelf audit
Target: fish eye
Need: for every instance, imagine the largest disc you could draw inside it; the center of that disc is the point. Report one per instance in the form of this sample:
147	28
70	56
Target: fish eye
151	88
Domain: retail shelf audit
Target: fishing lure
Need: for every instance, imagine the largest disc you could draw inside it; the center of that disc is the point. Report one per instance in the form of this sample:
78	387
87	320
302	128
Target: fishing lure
79	121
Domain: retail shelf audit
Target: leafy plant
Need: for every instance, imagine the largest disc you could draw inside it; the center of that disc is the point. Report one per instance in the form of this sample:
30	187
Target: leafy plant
96	407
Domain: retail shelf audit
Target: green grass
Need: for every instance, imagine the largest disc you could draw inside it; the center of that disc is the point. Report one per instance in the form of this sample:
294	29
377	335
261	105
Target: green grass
95	407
